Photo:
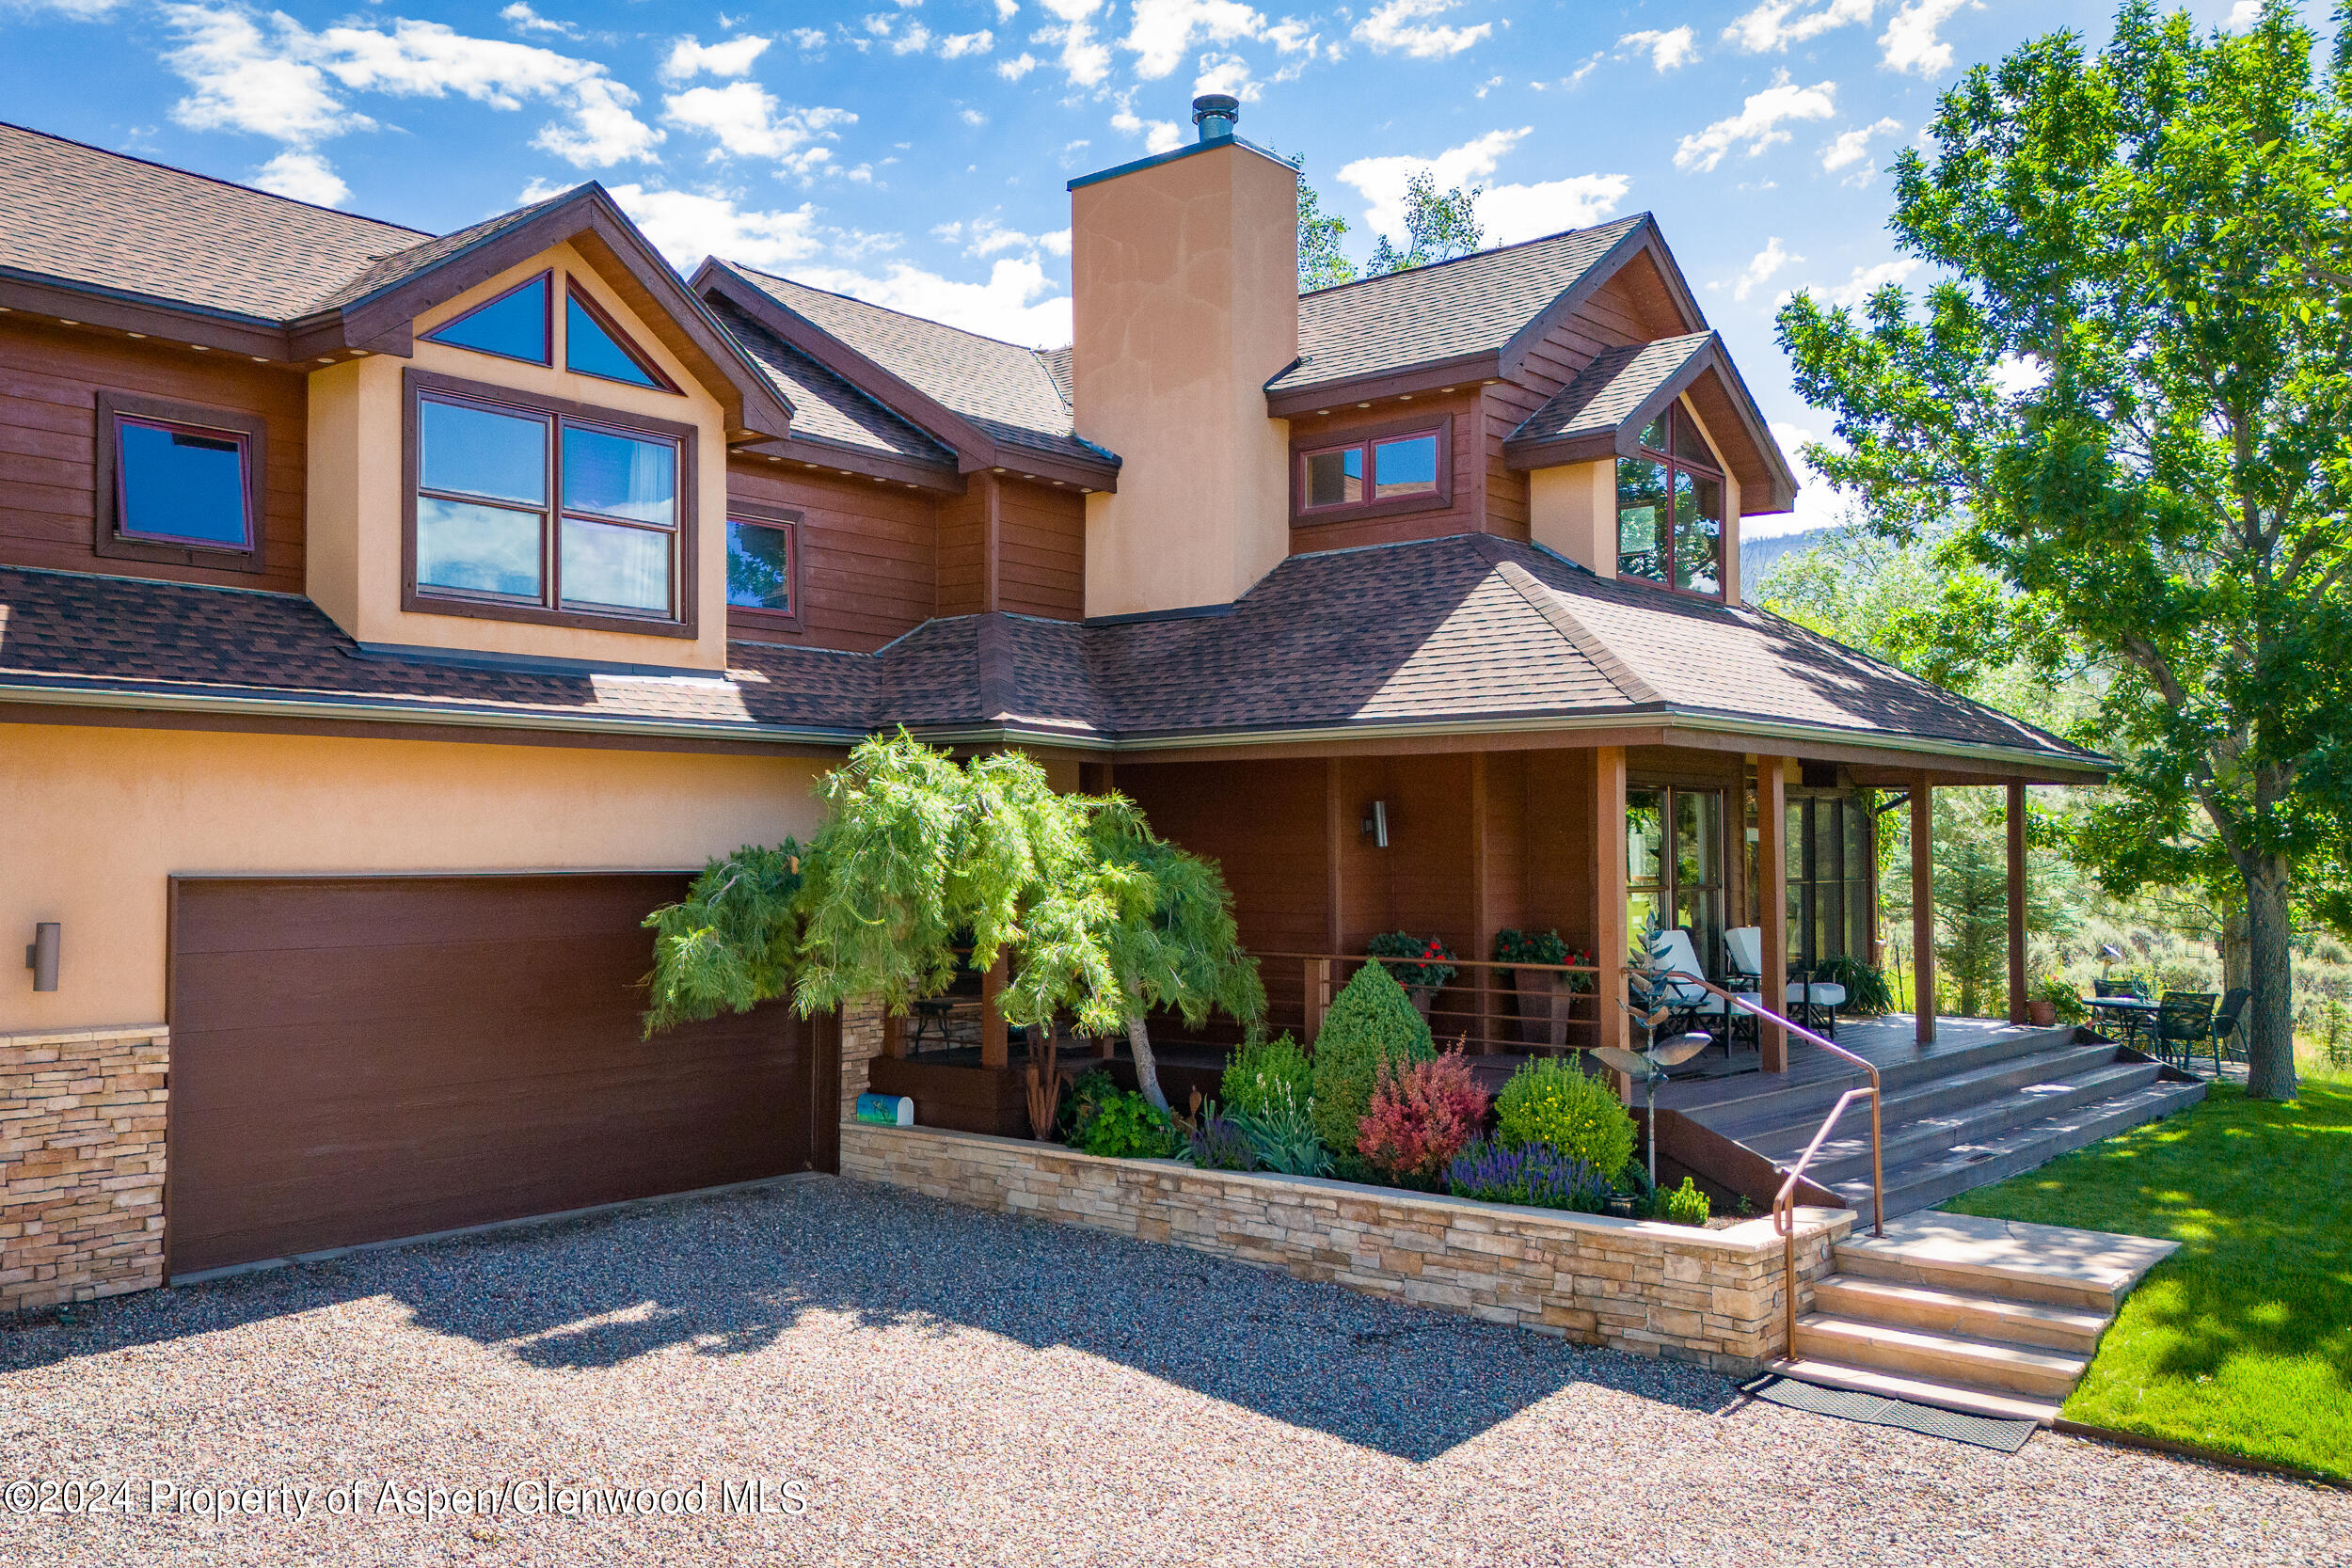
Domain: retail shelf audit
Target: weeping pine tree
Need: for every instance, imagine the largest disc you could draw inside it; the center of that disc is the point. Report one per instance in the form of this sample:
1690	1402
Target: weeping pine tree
2129	402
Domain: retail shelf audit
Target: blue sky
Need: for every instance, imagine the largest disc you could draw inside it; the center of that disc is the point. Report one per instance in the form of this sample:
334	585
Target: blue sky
915	152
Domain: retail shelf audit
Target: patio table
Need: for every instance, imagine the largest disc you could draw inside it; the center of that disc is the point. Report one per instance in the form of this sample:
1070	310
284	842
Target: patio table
2133	1010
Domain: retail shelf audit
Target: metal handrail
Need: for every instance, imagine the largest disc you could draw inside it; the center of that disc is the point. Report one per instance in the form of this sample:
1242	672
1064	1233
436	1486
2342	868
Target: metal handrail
1785	1204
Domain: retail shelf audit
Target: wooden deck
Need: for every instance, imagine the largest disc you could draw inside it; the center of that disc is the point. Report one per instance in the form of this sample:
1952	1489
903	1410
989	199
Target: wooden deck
1885	1042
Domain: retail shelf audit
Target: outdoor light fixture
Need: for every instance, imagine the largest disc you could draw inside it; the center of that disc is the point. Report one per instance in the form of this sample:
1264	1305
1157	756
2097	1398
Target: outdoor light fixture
41	954
1376	824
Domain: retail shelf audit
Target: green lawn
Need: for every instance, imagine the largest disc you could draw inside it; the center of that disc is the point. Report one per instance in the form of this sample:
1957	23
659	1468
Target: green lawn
2242	1340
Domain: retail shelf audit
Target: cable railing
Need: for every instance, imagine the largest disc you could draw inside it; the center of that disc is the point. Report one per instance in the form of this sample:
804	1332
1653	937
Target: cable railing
1487	1005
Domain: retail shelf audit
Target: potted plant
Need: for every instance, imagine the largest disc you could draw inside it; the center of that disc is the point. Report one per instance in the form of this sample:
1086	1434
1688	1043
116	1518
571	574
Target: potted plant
1425	974
1542	993
2052	1001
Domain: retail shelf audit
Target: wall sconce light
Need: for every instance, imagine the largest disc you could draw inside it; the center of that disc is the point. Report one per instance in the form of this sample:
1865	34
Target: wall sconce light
1376	824
41	954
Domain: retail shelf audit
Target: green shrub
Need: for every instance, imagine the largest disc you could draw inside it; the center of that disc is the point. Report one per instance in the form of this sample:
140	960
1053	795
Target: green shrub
1282	1133
1550	1101
1124	1126
2061	995
1263	1072
1684	1205
1372	1022
1866	994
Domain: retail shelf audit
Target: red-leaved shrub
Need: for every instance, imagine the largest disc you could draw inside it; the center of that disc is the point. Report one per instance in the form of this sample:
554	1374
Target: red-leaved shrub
1421	1115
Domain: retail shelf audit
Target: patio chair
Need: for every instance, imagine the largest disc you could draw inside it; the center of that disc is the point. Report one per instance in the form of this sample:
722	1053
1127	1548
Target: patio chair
1810	1002
1694	1005
2119	987
2227	1022
2184	1020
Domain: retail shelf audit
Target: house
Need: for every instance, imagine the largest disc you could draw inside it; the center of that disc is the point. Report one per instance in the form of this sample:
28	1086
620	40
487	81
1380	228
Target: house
389	620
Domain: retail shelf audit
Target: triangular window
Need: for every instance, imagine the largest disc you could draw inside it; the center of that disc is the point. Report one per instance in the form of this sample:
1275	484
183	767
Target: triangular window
593	344
513	326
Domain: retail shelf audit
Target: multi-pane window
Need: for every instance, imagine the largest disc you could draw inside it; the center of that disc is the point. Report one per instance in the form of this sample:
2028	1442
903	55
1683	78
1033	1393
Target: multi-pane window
1364	472
1675	864
1670	508
759	565
1832	851
538	507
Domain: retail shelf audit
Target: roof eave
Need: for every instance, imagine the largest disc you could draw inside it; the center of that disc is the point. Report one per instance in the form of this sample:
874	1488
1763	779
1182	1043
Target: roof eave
863	462
1288	403
197	326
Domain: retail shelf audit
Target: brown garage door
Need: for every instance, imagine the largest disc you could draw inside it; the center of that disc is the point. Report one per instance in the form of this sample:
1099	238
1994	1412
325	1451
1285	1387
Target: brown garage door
357	1059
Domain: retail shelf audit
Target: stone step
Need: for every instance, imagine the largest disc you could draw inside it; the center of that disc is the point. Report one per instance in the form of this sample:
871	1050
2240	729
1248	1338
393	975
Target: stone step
1923	1182
1908	1140
2071	1330
1942	1099
1765	1099
2052	1265
1932	1357
1942	1396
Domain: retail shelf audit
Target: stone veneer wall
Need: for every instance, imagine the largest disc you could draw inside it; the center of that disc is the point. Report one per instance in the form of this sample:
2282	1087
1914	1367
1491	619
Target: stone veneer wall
81	1163
861	1042
1709	1296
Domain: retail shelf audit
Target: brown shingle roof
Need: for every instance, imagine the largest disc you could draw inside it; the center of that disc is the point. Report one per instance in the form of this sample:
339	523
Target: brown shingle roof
1006	391
825	407
1607	391
117	222
1436	634
1470	306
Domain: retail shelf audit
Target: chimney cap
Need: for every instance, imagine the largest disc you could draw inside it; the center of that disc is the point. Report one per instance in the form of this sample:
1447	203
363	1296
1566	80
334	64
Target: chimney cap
1216	114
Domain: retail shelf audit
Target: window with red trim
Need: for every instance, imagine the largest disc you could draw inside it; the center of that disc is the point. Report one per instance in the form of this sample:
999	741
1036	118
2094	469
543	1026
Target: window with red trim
1670	509
1393	471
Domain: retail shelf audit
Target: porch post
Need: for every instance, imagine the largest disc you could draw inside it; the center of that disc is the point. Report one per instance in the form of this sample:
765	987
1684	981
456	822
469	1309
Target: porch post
2017	900
1771	899
1923	910
1608	936
1482	914
993	1051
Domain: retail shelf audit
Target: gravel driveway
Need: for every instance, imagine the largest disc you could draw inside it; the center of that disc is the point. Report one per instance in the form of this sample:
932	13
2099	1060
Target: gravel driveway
934	1385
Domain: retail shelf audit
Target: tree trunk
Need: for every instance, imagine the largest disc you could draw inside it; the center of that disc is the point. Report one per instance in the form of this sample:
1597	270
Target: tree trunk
2270	1012
1147	1069
2238	951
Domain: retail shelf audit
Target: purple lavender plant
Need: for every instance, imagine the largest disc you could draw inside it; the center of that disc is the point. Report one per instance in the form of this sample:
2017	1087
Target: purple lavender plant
1219	1144
1534	1174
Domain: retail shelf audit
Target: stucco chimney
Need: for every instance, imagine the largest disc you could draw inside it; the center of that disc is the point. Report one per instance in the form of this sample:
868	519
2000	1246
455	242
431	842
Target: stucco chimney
1184	290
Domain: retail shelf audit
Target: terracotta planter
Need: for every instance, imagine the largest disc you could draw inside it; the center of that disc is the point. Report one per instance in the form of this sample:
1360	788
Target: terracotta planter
2042	1013
1543	1005
1420	997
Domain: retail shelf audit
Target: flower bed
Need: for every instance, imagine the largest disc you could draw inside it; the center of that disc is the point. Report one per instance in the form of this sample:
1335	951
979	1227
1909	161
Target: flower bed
1709	1296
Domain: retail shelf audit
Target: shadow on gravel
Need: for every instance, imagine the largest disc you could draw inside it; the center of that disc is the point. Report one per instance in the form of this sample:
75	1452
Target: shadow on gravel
726	1276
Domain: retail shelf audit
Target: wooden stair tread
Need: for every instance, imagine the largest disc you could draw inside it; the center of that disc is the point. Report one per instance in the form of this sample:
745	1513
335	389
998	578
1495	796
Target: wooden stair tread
1964	1398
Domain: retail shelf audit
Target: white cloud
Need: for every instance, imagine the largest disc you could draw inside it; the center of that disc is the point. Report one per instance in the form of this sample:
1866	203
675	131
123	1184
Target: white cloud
1760	122
1397	24
1007	10
1514	212
1016	304
1866	281
2015	375
687	226
2243	16
1057	242
973	117
1853	146
1018	67
524	20
1084	59
1817	504
72	10
1769	26
1667	51
811	39
283	84
1159	135
1760	268
1225	73
1382	181
304	176
1910	42
745	119
955	46
689	57
1163	31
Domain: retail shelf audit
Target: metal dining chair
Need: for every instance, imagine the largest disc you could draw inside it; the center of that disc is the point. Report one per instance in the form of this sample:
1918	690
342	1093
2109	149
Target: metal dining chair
2184	1020
2228	1022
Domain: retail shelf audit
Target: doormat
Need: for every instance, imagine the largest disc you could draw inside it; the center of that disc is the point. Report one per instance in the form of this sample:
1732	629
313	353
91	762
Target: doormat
1846	1404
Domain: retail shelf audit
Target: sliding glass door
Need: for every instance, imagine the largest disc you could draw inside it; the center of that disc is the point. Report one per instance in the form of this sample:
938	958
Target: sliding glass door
1674	865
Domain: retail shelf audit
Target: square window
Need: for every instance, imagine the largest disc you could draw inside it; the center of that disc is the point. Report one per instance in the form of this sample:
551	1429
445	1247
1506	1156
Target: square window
179	485
478	549
620	568
1405	468
759	565
1335	478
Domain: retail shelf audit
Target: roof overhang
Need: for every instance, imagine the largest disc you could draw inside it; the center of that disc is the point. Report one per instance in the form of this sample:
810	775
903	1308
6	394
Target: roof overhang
840	458
974	447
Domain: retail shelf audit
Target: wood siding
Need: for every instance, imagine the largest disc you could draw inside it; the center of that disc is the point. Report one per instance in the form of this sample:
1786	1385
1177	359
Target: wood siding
868	553
1042	539
359	1059
50	378
962	550
1625	310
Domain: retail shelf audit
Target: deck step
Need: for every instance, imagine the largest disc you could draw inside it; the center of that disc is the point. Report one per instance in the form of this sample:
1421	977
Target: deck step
1933	1358
1788	1130
1928	1180
2067	1329
1765	1099
1969	1400
1966	1113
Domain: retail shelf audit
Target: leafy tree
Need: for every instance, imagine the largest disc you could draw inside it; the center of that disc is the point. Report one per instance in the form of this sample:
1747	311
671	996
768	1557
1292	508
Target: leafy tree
731	943
1438	227
2130	403
1321	263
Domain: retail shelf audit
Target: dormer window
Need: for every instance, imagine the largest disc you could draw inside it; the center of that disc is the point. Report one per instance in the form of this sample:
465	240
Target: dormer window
1670	508
532	509
179	483
1395	468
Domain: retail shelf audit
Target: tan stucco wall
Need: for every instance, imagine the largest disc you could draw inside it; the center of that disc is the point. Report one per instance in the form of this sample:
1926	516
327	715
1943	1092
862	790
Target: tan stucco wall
353	567
1185	286
94	820
1573	509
